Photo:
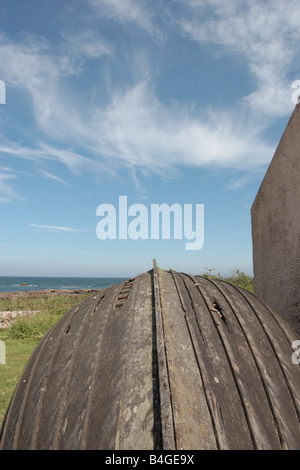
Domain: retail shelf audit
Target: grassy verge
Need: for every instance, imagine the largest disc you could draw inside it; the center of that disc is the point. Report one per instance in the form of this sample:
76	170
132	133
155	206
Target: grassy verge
17	354
237	278
24	335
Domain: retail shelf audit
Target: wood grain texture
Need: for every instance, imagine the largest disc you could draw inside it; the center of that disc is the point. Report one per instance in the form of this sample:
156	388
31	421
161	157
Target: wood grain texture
162	361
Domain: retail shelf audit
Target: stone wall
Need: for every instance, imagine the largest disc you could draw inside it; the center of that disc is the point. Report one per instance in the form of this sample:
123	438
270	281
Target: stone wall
276	228
7	317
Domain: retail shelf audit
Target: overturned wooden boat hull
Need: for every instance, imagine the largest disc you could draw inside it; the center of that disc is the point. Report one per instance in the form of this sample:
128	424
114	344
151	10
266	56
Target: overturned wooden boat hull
162	361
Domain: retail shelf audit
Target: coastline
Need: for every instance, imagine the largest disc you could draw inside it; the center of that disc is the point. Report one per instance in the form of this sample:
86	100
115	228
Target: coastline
25	304
35	294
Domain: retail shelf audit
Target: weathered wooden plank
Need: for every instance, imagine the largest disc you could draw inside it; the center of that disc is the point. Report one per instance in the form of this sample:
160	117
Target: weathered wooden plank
166	412
78	385
230	421
255	399
100	427
30	387
135	428
273	355
192	421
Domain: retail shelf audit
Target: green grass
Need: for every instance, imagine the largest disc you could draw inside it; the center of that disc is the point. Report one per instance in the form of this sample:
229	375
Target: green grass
51	308
17	354
237	278
24	335
51	304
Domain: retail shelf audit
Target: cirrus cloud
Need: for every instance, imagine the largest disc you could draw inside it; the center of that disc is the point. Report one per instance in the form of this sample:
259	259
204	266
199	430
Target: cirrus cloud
265	34
134	128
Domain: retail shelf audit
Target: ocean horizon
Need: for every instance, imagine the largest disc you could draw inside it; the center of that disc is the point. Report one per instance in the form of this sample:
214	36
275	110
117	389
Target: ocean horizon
30	283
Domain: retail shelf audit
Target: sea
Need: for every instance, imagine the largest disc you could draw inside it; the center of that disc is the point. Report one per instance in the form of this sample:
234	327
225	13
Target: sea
24	284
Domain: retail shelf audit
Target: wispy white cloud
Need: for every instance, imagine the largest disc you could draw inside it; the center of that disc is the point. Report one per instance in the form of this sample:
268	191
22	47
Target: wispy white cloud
55	228
43	152
85	44
50	176
266	34
135	129
241	181
139	129
128	11
38	69
7	193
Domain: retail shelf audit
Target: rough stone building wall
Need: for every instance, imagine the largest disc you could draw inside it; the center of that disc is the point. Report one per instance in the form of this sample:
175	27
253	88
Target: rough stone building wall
276	228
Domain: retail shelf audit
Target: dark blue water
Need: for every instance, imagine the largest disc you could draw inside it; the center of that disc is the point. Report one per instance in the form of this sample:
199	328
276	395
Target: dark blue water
23	284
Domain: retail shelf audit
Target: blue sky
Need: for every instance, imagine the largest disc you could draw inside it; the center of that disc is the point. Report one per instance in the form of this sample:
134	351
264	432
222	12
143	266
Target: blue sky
164	101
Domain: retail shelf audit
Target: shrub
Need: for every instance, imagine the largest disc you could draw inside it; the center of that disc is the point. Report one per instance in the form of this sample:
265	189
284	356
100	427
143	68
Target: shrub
33	327
237	278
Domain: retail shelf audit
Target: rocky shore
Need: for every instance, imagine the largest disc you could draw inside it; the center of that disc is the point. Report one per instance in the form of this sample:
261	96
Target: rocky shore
48	292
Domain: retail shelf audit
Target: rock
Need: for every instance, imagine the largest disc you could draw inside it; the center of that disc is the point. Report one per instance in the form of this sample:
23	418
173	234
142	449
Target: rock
7	317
